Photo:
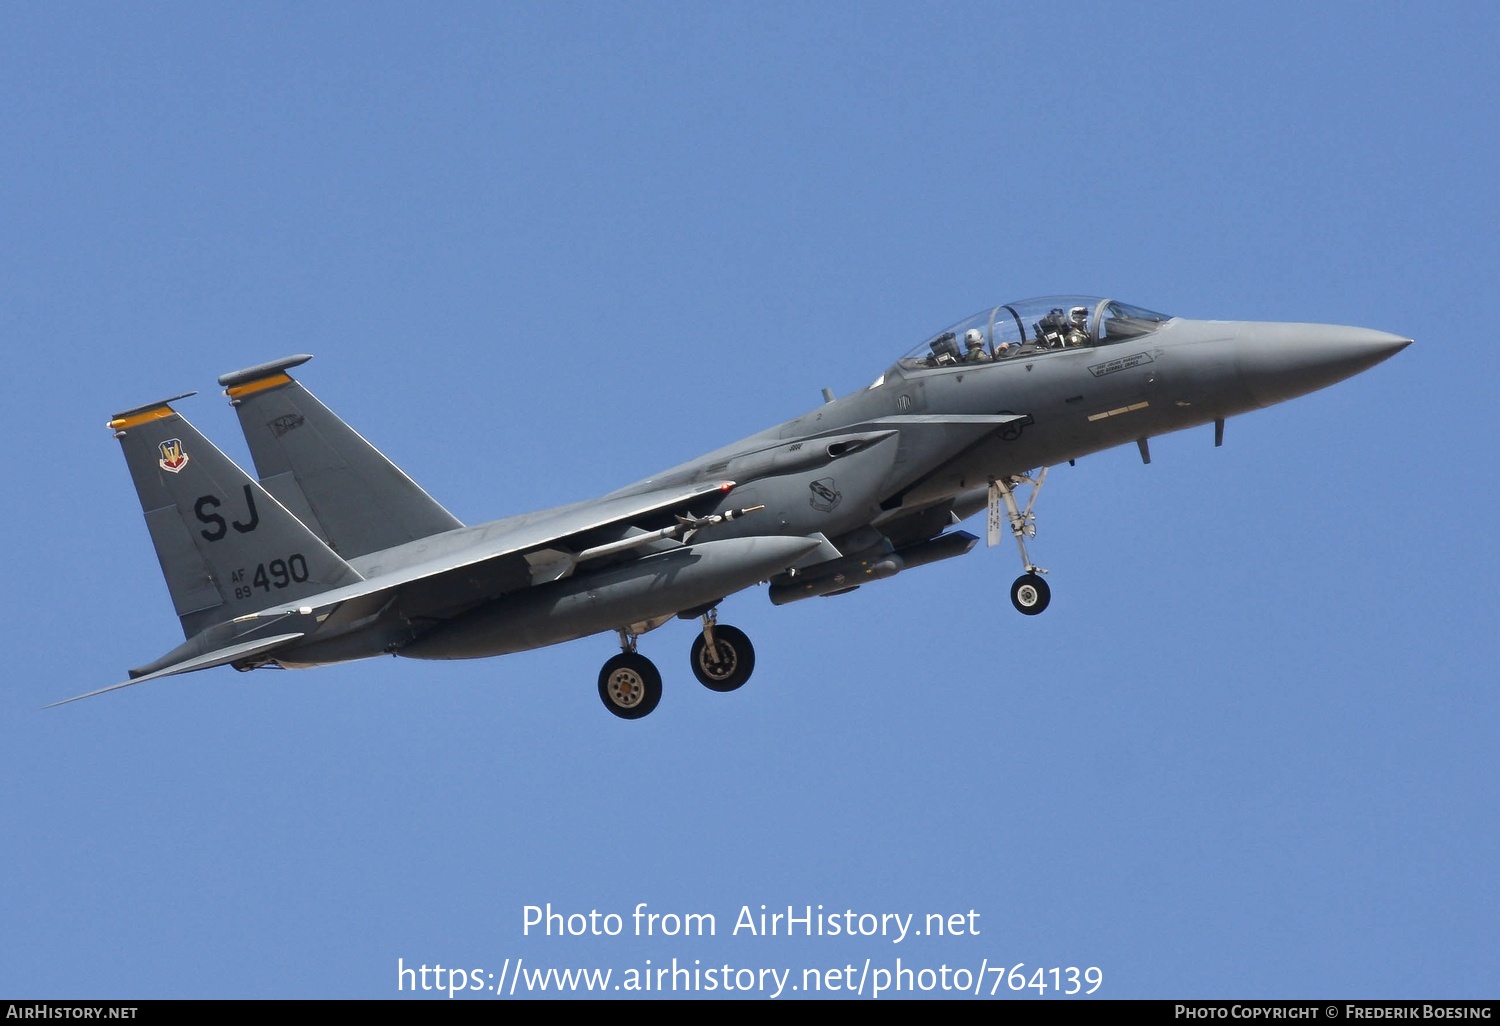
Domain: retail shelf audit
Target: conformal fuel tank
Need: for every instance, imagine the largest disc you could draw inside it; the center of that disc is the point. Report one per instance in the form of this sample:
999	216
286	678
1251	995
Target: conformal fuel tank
657	585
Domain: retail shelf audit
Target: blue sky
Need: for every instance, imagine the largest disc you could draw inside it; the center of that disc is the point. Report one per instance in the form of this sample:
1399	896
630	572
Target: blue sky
541	251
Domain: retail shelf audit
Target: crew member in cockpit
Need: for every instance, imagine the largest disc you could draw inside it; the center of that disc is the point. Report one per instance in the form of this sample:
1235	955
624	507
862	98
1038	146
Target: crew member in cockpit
1078	327
974	343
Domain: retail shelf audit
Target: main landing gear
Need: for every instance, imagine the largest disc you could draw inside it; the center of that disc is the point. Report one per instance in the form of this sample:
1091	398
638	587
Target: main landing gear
722	656
722	659
1030	593
630	685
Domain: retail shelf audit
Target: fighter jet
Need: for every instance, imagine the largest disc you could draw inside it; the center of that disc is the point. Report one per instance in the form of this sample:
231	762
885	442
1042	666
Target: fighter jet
332	553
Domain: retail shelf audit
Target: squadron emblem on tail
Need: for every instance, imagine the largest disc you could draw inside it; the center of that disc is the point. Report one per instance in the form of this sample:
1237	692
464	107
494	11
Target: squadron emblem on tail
173	456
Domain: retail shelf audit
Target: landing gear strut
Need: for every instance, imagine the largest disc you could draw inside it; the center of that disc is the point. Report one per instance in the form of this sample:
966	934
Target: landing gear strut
1030	593
722	656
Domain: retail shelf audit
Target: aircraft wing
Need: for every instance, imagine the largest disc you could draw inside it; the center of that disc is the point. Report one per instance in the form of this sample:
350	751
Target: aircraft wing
467	549
970	419
464	551
209	659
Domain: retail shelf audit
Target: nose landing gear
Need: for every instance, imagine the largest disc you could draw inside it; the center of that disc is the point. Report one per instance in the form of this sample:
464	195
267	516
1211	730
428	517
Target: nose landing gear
1030	593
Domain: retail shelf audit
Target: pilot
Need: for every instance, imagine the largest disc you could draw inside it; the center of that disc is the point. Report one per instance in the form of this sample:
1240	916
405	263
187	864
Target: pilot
974	343
1078	327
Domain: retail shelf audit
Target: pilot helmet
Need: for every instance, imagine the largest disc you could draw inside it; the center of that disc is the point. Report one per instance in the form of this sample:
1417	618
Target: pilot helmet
973	339
1078	314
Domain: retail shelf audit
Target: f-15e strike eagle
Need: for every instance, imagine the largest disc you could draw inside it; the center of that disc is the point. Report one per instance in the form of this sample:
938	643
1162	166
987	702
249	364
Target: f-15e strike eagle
333	554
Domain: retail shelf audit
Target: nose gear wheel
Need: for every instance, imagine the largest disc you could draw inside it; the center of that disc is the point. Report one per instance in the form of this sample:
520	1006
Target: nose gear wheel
1030	594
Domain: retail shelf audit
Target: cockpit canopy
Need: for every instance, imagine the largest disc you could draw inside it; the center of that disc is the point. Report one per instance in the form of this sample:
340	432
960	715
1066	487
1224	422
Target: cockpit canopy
1033	326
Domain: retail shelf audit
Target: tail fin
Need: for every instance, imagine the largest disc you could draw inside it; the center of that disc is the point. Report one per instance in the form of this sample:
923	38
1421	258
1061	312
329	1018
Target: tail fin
226	547
319	467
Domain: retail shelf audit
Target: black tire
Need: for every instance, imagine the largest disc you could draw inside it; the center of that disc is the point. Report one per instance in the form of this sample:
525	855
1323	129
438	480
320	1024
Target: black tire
1030	594
735	663
630	685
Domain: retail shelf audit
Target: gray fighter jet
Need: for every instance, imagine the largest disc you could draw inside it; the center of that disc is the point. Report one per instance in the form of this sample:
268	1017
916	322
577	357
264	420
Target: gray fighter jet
334	554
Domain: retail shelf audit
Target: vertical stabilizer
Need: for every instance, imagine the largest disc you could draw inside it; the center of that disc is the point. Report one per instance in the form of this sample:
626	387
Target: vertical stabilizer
340	485
226	546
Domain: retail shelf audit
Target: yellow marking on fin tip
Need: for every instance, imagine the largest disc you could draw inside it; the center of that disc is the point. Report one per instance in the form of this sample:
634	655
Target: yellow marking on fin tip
258	385
137	419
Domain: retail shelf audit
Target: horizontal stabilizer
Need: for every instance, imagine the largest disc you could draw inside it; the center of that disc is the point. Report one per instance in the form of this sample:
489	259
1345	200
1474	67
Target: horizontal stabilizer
206	661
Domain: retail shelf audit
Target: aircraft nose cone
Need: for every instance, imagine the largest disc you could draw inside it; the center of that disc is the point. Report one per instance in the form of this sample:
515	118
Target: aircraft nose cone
1282	361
